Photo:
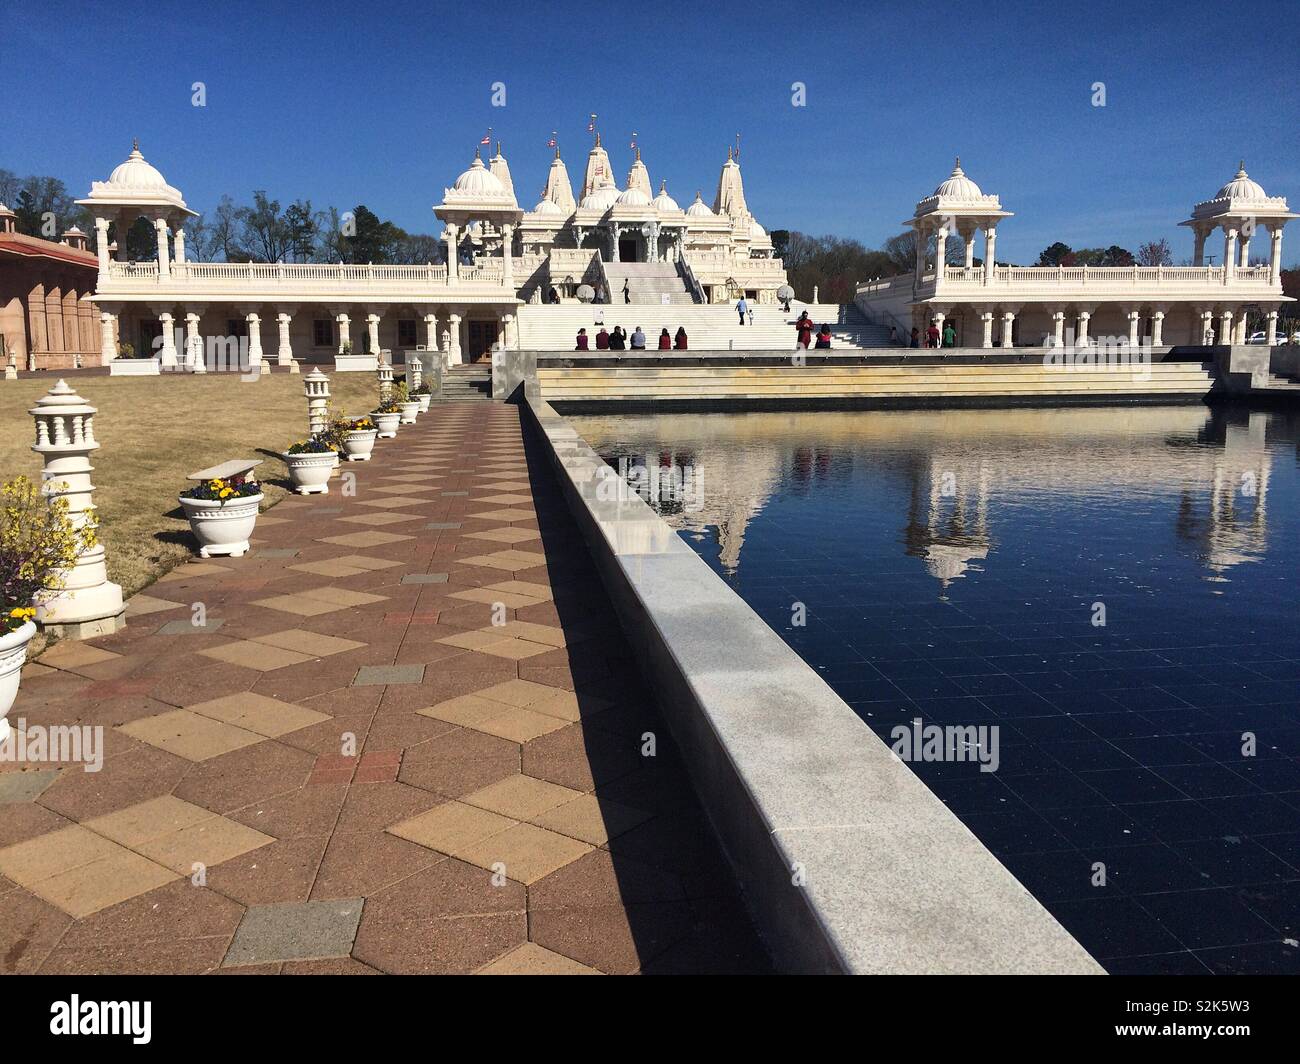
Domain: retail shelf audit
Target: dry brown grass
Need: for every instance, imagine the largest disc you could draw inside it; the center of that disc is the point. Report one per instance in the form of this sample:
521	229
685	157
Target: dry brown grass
152	432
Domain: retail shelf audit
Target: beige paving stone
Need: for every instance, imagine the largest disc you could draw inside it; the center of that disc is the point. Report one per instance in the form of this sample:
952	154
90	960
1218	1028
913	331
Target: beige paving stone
385	501
451	827
520	693
144	821
466	710
53	853
411	478
366	563
269	717
399	489
515	649
523	587
532	959
506	514
506	598
521	797
365	539
477	640
495	476
71	654
331	567
536	633
254	655
376	520
207	843
189	735
504	498
519	725
304	642
505	535
527	851
341	596
298	604
89	888
589	818
193	569
141	605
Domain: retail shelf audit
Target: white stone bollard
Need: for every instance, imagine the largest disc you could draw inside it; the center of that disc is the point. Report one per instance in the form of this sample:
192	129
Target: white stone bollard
316	386
384	373
414	372
89	604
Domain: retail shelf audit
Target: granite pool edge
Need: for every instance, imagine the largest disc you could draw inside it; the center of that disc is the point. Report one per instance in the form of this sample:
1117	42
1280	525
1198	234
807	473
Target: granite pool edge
849	863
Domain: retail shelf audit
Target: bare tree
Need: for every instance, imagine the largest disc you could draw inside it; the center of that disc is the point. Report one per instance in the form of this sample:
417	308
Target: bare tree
1155	253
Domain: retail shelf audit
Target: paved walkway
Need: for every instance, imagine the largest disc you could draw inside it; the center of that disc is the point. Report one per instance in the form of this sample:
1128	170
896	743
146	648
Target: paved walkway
351	768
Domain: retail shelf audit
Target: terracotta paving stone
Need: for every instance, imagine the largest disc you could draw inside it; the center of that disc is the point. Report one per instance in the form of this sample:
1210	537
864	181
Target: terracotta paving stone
248	748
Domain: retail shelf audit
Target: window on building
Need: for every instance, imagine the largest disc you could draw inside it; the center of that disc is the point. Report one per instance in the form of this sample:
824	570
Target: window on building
406	332
322	334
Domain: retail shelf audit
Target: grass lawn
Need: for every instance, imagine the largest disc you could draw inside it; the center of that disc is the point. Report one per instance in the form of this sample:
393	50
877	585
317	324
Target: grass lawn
153	431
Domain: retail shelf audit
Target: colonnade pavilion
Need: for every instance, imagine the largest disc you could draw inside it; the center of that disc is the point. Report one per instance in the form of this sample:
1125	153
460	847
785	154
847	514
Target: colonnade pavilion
498	257
1057	305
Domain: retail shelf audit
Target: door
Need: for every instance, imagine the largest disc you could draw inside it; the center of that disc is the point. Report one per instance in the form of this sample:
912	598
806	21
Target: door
482	335
627	249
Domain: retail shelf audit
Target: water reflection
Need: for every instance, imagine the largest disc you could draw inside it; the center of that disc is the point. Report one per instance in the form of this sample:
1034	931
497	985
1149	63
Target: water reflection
963	472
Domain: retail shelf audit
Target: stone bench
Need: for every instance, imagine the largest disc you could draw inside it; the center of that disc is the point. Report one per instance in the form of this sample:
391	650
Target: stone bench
234	468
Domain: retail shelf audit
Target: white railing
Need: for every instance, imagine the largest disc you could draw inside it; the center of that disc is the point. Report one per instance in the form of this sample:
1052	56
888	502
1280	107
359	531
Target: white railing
1102	276
310	275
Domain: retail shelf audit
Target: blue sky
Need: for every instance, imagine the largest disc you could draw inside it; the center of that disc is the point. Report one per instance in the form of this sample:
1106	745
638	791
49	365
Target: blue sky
345	104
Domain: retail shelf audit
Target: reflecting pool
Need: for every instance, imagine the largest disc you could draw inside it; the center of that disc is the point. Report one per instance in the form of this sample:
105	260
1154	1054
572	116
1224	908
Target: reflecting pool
1115	589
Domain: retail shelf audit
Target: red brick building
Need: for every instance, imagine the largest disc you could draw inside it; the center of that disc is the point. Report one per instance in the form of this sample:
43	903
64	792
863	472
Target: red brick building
43	312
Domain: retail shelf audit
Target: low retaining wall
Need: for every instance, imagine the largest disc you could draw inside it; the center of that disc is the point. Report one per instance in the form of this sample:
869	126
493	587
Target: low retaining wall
848	861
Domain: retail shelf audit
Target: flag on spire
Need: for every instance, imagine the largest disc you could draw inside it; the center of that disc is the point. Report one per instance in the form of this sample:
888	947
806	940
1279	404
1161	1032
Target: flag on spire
487	137
591	124
552	142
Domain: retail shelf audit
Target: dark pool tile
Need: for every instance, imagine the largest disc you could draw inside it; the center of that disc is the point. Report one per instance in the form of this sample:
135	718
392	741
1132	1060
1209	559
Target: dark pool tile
984	793
1090	754
1277	775
993	685
1098	826
1276	903
1285	845
1053	790
1206	780
1234	862
1020	704
1061	875
1261	958
1179	821
1017	830
1124	724
1114	926
1128	785
1156	750
1183	962
1142	698
1256	814
1147	869
1059	727
1206	918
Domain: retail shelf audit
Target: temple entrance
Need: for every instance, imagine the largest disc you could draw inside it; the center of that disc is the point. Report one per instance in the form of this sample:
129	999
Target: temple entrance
482	335
627	249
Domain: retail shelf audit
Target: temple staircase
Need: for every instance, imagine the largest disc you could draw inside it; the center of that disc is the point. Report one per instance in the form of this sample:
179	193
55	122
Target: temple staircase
466	384
649	283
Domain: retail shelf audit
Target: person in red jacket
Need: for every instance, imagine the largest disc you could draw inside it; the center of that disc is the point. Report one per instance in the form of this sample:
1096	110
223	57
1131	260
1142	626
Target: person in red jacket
805	327
680	340
932	335
602	339
665	341
582	340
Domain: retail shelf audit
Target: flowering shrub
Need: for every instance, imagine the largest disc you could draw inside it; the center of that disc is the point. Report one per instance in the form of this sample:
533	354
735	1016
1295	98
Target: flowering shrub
321	443
38	546
423	389
219	490
359	424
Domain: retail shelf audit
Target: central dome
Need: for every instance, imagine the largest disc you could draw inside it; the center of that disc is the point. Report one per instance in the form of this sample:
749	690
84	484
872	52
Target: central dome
698	209
959	186
601	198
663	201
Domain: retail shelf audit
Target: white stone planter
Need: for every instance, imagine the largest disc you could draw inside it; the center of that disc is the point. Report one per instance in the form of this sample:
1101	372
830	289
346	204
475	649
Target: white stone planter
310	473
358	444
133	367
409	410
386	423
13	653
222	528
356	363
423	399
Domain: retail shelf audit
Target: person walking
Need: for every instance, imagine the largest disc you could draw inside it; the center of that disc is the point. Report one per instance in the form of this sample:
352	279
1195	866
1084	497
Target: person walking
749	312
949	335
893	336
932	335
915	340
582	340
638	339
741	307
627	291
665	341
679	341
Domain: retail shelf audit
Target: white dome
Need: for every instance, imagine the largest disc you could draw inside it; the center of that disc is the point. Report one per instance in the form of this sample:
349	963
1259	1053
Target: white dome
1242	187
550	207
600	198
698	209
478	180
756	231
632	197
135	181
663	201
959	186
